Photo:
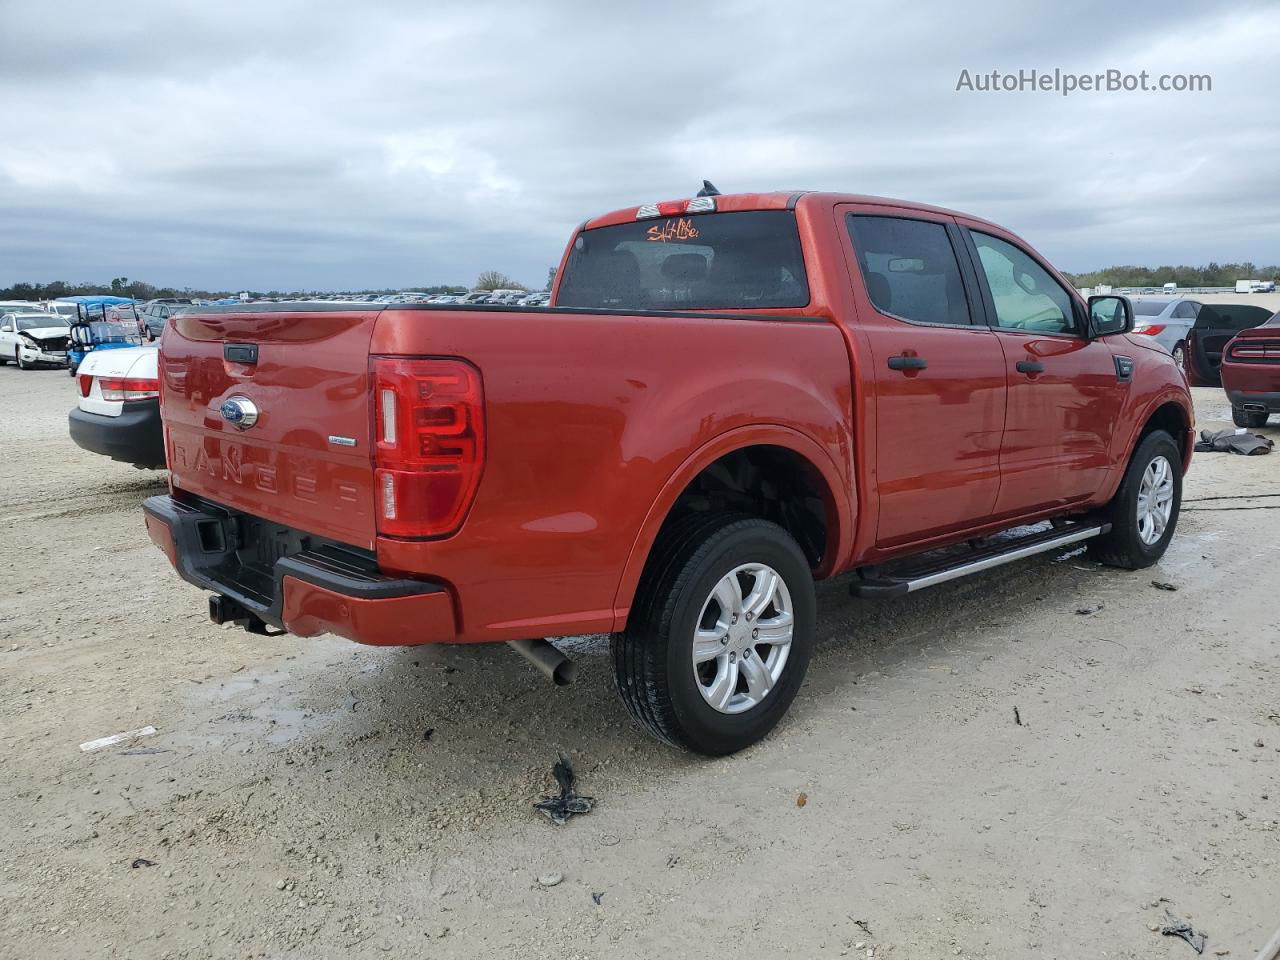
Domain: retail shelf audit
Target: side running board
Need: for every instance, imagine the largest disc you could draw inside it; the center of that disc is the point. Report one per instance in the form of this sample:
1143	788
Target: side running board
928	573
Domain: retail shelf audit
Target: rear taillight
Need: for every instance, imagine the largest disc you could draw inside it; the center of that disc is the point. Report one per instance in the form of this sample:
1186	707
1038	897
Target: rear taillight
1152	331
86	384
429	444
1247	350
126	388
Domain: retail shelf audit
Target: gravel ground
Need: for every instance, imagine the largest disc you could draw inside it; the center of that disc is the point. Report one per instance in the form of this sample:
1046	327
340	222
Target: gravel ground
312	798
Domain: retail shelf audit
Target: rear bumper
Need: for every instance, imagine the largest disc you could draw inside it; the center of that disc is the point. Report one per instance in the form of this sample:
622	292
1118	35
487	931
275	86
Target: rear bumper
324	589
1270	399
136	436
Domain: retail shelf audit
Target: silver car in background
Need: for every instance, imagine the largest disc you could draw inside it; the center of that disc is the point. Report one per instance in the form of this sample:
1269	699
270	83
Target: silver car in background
1167	320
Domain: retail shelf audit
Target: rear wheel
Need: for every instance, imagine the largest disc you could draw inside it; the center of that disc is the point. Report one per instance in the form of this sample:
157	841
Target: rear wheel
1248	418
1144	511
1179	354
720	635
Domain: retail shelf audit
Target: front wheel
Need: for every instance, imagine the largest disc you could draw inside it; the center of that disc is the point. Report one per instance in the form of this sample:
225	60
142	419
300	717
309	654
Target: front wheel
720	635
22	364
1144	511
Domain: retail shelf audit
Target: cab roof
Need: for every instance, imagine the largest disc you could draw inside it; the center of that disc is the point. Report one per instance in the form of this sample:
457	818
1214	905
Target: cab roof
780	200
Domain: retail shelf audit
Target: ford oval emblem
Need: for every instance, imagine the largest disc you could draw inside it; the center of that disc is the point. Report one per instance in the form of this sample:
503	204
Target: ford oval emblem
239	412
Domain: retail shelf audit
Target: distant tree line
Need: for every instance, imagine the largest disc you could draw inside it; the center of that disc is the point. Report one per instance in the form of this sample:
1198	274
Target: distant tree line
1209	275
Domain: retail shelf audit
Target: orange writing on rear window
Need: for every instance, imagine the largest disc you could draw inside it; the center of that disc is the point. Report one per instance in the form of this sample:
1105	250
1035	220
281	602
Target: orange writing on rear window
682	229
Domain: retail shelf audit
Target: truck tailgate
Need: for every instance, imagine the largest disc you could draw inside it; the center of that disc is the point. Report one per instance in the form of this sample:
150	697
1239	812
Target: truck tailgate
307	461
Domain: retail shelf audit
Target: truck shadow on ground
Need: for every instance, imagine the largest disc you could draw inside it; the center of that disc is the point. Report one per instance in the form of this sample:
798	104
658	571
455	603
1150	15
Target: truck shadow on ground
478	726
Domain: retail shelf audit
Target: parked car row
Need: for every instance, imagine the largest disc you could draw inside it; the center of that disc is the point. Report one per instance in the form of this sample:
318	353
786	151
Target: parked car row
475	298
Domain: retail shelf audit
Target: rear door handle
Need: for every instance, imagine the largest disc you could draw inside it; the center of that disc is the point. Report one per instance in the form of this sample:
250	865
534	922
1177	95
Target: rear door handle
907	363
1029	366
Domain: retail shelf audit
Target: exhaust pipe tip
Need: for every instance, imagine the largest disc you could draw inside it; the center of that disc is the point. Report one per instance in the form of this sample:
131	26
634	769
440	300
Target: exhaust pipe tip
548	661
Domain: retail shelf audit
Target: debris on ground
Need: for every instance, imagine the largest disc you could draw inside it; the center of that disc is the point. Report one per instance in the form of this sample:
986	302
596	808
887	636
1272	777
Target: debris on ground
551	879
802	800
141	862
115	738
568	803
1017	717
426	734
863	925
597	897
1164	585
1184	930
1087	611
142	752
1232	441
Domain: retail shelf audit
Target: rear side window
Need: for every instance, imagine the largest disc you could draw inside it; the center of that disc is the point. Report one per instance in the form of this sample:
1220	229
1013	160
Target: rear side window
910	269
718	261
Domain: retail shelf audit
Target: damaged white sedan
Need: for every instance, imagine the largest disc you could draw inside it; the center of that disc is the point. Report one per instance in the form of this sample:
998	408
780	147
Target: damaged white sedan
32	339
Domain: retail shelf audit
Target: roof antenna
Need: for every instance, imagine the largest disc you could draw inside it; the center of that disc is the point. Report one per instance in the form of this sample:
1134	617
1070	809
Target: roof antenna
708	189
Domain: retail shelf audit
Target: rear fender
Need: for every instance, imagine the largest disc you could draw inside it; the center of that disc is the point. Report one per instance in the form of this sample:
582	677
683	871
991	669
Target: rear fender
837	497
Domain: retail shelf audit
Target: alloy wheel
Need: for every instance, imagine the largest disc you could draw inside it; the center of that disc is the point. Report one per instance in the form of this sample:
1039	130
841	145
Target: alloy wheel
1155	500
743	638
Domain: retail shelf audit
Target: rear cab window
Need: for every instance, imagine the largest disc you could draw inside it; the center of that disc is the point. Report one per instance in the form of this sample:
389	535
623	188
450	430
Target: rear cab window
712	261
910	269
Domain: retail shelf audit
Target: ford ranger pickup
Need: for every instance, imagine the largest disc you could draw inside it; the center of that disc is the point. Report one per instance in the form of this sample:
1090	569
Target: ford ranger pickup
728	398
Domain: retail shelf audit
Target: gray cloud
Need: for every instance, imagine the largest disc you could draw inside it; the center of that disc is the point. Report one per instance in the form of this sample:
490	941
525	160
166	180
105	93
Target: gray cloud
337	145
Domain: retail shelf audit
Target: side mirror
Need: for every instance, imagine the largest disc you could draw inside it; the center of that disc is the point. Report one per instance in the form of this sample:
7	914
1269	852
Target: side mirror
1108	315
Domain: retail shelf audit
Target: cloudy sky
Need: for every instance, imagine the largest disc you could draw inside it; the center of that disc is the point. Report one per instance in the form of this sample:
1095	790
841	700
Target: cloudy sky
301	144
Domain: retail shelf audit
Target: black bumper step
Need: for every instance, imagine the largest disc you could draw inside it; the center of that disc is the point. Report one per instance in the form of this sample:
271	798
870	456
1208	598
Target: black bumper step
244	561
932	571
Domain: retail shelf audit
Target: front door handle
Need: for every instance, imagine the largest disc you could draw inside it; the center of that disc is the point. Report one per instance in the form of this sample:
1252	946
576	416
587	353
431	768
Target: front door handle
1029	366
907	363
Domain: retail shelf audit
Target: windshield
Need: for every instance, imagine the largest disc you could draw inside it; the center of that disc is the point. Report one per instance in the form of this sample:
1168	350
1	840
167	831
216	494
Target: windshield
43	322
721	261
1148	308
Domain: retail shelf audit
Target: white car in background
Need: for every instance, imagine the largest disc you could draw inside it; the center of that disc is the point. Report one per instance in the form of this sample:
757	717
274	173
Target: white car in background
33	338
118	413
64	308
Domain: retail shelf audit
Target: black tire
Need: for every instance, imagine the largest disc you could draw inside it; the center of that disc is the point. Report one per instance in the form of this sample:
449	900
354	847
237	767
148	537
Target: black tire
652	660
1124	546
1179	354
1247	418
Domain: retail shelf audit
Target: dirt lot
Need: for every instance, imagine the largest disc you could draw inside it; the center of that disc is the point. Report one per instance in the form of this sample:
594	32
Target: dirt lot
312	798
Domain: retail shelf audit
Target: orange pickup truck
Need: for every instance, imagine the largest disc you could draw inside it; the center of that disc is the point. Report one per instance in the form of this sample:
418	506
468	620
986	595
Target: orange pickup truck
729	398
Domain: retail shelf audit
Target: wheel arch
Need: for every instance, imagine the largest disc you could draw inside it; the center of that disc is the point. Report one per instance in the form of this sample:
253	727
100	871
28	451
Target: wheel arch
1173	418
776	453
